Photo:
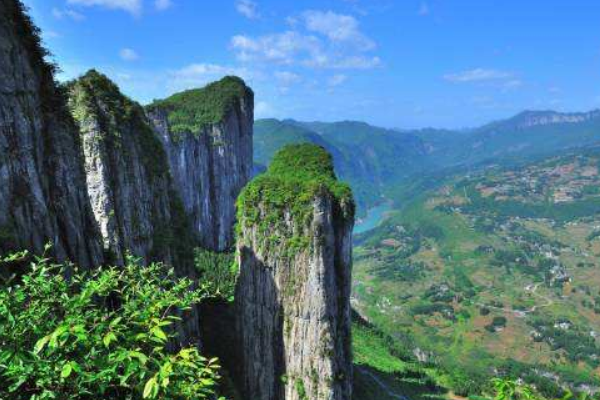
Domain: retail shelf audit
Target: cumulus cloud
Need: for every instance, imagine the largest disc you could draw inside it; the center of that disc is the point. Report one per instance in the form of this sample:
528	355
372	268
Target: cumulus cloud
478	75
128	54
67	13
131	6
281	48
247	8
162	5
315	39
338	28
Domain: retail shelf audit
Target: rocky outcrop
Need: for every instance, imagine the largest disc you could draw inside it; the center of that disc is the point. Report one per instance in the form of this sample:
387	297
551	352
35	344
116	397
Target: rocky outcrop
293	293
43	197
133	197
127	174
207	134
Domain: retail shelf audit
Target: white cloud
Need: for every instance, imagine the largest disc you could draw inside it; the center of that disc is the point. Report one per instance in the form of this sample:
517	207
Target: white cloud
162	5
291	47
197	75
337	80
280	48
128	54
316	39
338	28
132	6
67	13
247	8
424	9
478	75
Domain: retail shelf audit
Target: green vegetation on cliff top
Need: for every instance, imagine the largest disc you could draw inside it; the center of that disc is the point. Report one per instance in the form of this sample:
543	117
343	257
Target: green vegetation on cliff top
192	110
94	97
298	174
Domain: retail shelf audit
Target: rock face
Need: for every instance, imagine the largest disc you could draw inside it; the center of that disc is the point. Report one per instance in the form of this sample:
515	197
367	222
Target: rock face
207	134
127	174
293	293
43	197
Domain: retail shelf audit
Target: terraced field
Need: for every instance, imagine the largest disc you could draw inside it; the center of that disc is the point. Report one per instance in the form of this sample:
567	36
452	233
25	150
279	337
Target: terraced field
493	273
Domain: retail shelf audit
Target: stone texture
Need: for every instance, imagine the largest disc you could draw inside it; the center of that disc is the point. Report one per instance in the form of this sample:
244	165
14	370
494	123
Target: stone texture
127	173
293	313
43	197
210	168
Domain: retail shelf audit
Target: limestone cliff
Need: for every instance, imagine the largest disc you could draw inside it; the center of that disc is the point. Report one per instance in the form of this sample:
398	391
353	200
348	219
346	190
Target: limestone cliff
127	173
207	134
43	197
292	299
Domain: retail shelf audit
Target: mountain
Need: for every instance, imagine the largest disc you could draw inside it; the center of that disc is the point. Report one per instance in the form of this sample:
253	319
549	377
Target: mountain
375	160
367	157
117	236
528	134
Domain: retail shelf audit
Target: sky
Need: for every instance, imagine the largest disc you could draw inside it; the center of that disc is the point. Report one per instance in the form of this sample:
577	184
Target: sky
393	63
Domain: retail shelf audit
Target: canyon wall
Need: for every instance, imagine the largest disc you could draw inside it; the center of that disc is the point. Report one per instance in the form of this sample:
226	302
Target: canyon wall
207	134
43	195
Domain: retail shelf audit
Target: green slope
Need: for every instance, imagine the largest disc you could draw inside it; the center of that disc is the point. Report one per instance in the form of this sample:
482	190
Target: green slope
496	271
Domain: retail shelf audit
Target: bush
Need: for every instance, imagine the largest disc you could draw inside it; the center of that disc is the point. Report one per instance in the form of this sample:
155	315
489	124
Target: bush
218	272
105	334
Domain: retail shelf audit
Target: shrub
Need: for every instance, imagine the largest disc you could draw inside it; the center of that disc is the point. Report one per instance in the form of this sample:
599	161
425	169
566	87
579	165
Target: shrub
104	334
218	272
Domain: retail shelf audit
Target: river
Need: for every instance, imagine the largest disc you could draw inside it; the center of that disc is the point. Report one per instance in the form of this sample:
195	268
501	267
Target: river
374	217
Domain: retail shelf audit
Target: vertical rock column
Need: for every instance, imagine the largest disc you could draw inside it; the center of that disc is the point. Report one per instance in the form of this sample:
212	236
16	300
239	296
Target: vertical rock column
207	135
293	295
127	174
43	196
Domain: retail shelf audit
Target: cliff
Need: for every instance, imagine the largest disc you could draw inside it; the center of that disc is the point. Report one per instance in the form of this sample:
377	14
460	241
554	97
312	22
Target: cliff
127	174
207	135
43	195
294	250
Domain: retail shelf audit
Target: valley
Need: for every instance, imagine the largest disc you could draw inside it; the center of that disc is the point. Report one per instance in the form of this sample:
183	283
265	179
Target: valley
494	271
482	262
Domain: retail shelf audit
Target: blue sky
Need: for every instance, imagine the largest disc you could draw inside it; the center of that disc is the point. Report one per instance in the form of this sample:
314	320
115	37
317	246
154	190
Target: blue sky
395	63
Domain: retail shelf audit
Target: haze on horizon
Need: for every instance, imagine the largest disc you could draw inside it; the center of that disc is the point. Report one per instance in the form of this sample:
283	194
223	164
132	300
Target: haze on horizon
402	64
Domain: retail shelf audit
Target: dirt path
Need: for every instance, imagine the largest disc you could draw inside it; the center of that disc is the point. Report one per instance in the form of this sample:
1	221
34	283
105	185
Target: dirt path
521	313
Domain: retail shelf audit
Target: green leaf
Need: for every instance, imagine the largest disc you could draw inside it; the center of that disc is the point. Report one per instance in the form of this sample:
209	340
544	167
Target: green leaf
40	344
151	388
159	333
108	338
66	371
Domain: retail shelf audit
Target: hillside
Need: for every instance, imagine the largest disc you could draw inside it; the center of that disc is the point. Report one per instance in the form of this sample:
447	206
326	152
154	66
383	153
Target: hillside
376	160
494	271
367	157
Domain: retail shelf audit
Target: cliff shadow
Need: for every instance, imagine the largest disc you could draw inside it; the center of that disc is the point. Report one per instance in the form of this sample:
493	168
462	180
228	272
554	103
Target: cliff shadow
247	334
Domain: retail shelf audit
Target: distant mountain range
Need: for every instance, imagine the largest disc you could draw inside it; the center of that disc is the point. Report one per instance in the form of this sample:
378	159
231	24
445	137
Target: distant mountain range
374	159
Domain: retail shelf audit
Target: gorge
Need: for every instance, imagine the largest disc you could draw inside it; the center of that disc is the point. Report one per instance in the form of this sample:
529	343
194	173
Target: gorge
99	178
